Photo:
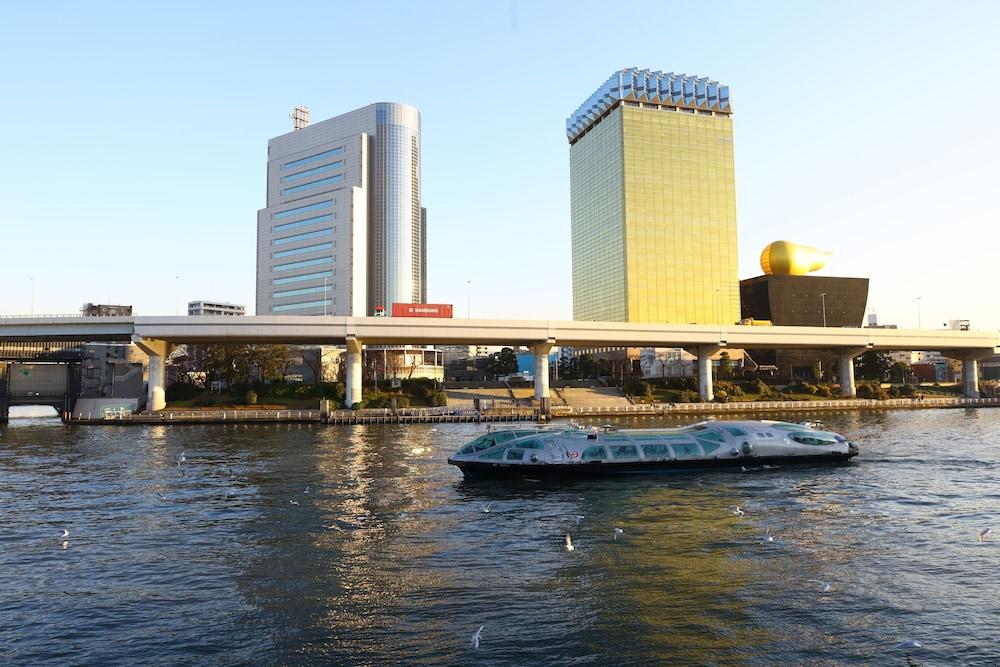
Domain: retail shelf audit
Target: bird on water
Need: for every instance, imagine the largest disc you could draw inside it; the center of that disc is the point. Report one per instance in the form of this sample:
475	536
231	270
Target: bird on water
569	543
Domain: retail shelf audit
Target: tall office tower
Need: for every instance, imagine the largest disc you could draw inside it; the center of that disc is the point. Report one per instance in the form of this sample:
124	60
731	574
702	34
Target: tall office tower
343	231
653	201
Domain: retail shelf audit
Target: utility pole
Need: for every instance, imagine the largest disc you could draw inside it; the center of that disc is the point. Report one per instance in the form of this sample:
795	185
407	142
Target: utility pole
177	303
468	299
823	297
920	324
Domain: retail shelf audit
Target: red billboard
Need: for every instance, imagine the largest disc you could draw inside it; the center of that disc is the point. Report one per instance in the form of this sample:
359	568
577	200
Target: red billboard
421	310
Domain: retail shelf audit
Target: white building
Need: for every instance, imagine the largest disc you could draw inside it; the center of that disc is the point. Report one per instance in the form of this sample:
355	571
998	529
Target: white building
215	308
343	231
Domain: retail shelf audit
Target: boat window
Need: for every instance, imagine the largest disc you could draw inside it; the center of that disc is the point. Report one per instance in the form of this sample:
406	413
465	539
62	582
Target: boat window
505	436
656	451
690	429
624	451
735	430
686	451
595	453
812	438
478	445
530	444
707	445
785	426
515	454
613	437
487	442
712	435
496	454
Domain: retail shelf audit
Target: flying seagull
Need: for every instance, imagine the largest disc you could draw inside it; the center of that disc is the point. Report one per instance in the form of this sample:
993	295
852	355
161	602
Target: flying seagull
181	460
476	636
579	518
569	543
768	537
738	512
65	533
824	586
486	508
909	643
618	533
983	534
294	502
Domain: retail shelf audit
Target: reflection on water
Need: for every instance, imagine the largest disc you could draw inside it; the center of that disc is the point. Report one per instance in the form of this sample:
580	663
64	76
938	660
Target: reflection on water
300	544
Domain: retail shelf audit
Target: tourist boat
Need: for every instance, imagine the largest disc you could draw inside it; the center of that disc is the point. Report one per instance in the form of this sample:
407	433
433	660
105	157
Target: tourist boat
575	451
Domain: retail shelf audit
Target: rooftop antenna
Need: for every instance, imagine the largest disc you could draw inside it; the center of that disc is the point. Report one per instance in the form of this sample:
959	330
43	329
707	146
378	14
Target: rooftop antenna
300	117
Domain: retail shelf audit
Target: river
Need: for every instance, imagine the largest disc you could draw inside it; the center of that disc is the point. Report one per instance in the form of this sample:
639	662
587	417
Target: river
312	545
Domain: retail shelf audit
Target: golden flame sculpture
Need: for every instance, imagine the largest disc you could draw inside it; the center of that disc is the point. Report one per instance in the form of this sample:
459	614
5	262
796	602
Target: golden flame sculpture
784	258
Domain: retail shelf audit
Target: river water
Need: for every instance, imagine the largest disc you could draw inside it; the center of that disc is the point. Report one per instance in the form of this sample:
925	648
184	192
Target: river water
310	545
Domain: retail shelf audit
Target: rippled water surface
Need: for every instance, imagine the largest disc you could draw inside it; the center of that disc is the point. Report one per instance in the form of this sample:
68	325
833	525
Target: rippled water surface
309	545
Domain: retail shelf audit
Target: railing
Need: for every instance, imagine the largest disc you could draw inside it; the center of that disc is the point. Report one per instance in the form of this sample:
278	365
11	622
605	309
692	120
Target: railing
201	416
25	316
750	406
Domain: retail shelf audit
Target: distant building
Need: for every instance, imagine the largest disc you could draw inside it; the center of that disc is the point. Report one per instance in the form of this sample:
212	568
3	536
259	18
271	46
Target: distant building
343	231
104	310
653	201
215	308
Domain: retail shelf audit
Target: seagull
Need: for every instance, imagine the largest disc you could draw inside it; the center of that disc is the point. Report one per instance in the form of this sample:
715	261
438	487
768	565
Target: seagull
65	544
738	512
824	586
486	508
161	496
579	518
768	537
65	533
909	643
983	534
743	469
476	636
181	460
569	543
306	490
618	533
294	502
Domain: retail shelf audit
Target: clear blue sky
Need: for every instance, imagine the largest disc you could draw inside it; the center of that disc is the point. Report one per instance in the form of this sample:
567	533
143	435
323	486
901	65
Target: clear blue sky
134	138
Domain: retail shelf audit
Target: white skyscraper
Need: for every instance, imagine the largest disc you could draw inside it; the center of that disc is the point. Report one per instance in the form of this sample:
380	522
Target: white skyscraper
343	231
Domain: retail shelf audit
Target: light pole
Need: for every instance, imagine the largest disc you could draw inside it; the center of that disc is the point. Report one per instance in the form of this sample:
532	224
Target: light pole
32	279
177	303
468	299
822	296
920	324
326	281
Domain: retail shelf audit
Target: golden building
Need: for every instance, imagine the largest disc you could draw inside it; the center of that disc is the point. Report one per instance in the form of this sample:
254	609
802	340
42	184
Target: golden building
653	201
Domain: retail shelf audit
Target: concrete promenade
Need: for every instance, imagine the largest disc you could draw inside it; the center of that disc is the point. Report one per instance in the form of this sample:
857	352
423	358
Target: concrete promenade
156	336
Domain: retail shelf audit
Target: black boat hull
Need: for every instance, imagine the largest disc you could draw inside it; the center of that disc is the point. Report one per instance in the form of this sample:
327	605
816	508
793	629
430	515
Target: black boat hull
483	469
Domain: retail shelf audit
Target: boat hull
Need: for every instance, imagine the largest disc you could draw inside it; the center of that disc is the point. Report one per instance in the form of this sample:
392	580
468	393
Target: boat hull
489	469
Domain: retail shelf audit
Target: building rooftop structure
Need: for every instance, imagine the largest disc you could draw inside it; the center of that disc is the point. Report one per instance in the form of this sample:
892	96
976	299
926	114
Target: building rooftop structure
690	93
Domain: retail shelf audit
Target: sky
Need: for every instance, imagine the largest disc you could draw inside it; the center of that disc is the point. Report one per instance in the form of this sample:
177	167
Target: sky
133	139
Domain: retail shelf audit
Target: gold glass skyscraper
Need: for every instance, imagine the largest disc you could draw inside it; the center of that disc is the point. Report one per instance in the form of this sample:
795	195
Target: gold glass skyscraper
653	201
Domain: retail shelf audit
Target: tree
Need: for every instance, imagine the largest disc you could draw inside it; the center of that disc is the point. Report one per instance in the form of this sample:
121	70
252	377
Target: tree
872	365
267	361
725	365
898	372
228	363
503	362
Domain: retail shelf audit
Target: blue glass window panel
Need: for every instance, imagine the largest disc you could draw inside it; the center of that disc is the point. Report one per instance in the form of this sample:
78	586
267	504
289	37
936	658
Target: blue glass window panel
312	158
303	223
303	209
312	172
313	184
300	292
302	278
302	237
302	251
304	263
298	306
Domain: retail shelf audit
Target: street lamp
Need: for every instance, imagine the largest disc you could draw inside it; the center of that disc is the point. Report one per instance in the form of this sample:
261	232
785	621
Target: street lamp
468	299
32	279
919	321
177	303
822	296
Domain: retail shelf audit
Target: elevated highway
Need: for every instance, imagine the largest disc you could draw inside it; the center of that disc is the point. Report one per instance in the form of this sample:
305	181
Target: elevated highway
155	335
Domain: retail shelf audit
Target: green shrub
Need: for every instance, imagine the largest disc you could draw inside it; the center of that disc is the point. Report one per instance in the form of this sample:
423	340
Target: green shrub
437	399
182	391
907	390
721	396
731	388
688	396
824	390
251	397
203	401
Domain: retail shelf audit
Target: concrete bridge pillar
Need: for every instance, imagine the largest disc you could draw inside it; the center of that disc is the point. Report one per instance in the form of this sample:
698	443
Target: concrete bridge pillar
541	352
352	376
705	354
156	393
847	385
970	376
